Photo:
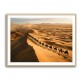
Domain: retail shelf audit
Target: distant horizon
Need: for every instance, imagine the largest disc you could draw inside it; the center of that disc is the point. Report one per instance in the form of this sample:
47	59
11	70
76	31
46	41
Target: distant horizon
41	21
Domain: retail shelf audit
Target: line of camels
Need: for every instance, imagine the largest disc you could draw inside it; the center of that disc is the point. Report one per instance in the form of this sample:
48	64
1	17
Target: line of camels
60	51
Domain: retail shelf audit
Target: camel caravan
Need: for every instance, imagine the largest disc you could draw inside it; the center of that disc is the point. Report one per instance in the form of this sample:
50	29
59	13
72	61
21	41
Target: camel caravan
60	51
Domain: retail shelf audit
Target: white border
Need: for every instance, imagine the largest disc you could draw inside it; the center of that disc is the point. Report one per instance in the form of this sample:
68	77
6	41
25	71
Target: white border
41	63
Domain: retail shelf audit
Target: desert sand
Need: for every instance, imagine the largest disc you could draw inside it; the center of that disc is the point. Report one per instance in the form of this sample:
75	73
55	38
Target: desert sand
23	49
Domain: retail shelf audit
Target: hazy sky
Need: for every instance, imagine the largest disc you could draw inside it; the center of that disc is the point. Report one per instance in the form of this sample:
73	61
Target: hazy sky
40	20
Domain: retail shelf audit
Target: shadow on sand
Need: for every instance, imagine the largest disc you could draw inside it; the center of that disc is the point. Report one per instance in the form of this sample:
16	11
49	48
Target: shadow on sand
22	52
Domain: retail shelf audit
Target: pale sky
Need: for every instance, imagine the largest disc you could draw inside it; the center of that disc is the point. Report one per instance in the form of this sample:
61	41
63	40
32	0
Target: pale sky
40	20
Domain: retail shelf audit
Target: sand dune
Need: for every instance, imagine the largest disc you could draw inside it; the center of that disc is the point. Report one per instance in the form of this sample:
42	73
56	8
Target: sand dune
25	50
45	55
21	51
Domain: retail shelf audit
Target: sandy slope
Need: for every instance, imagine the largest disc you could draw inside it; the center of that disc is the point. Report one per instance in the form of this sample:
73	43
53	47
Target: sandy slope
21	51
45	55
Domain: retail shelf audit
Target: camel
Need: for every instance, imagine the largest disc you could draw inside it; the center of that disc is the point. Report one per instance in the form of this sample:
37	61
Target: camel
60	50
55	48
42	43
46	45
50	47
66	52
